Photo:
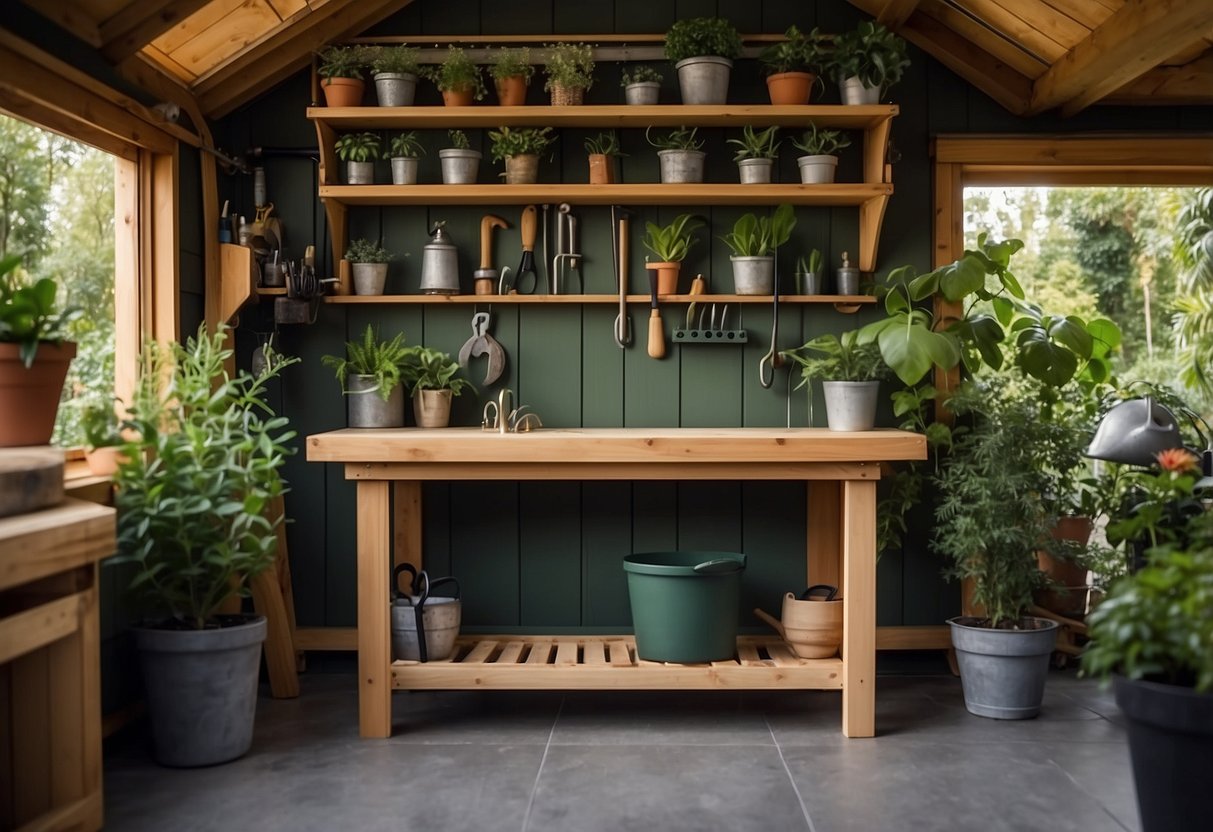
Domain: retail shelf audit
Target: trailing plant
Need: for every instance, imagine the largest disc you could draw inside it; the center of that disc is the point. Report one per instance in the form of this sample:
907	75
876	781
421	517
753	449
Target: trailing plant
817	142
831	357
753	145
871	53
381	360
604	144
431	369
195	485
569	65
397	60
456	73
99	421
459	139
341	62
680	139
671	243
28	311
799	53
520	141
754	236
640	75
362	250
700	36
358	147
810	264
512	63
405	145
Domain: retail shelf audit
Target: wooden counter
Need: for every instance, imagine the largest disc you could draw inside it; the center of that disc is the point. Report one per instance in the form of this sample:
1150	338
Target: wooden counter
842	468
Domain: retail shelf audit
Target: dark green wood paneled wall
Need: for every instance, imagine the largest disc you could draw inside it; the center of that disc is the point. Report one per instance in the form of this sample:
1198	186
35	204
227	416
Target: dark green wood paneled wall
534	556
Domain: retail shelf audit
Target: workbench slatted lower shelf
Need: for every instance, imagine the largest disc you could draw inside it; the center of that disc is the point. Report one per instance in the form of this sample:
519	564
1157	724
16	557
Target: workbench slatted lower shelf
610	662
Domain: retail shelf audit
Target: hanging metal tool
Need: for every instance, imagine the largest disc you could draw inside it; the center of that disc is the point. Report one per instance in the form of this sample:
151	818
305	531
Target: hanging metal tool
772	357
529	226
619	249
656	330
567	258
481	343
486	276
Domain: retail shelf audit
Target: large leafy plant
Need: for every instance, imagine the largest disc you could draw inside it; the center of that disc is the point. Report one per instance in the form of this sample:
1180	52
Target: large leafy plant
196	482
831	357
381	360
426	368
671	243
700	36
799	53
871	53
29	314
754	236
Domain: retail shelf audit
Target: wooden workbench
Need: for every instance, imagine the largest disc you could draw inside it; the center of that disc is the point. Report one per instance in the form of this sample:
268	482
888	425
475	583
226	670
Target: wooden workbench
841	468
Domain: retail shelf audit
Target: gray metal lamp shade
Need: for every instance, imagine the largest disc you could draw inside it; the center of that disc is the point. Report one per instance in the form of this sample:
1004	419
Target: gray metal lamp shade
1134	432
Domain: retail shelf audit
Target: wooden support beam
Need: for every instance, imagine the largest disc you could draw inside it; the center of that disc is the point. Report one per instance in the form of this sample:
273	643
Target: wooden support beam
1135	39
1190	84
139	23
896	12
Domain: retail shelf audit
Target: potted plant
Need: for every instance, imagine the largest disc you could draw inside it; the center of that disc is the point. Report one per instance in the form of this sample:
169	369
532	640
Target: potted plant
340	71
520	148
431	373
703	49
512	72
457	78
756	154
102	438
867	61
793	66
460	164
372	374
820	162
641	85
850	374
670	244
570	71
404	149
810	278
395	71
359	152
602	151
753	242
679	155
368	266
34	356
199	474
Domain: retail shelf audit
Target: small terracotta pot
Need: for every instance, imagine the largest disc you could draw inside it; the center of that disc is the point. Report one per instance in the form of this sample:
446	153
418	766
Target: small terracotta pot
602	169
103	462
790	87
457	98
567	96
511	92
1070	579
667	277
432	408
342	92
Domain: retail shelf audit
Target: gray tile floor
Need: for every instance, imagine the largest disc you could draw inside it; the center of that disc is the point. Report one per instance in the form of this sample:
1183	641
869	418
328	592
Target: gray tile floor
648	761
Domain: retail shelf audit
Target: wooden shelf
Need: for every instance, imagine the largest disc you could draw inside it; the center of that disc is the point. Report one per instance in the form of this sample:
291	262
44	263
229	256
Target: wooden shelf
595	298
271	290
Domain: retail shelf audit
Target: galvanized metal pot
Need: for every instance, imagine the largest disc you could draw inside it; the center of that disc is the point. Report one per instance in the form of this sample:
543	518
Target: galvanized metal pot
850	405
395	89
459	167
679	166
755	171
367	407
522	169
810	283
432	408
369	278
855	92
440	617
360	173
642	92
753	275
704	79
1003	671
404	170
817	170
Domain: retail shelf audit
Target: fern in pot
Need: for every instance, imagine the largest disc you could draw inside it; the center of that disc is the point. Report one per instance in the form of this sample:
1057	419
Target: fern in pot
820	163
457	78
359	152
431	373
395	70
756	154
371	374
404	150
368	266
641	85
512	72
460	164
680	155
753	242
867	61
703	50
193	496
850	375
520	149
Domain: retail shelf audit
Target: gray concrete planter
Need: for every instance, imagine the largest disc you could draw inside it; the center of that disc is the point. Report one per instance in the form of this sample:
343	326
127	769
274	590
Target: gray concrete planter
817	170
753	275
360	173
367	407
853	91
1003	671
755	171
704	79
369	278
395	89
850	405
642	92
680	166
459	167
404	170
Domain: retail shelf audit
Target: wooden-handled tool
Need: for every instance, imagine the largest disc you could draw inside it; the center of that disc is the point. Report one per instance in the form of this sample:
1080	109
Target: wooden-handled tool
530	228
656	330
486	275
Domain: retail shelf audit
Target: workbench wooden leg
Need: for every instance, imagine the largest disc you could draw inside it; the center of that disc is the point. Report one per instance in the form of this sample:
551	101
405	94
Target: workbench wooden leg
406	503
374	646
859	609
824	515
273	598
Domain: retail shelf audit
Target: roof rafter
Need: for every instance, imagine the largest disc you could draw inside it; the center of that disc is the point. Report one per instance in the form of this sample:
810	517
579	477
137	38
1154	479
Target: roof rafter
1191	83
896	12
140	22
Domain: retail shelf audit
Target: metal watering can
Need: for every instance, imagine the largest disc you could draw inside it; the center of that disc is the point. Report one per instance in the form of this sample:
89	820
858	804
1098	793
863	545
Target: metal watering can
424	626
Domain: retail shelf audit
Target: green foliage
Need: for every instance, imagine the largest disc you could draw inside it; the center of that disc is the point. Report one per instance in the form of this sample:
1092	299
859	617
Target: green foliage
680	139
362	250
753	145
341	61
29	314
99	422
570	65
456	73
810	264
671	243
640	75
754	236
822	142
459	139
1193	321
405	145
829	357
431	369
520	141
399	59
872	53
196	483
512	63
799	53
700	36
382	360
604	144
358	147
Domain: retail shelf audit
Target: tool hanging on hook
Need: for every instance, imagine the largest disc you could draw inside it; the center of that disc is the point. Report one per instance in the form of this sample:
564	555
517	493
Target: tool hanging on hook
656	329
619	249
772	357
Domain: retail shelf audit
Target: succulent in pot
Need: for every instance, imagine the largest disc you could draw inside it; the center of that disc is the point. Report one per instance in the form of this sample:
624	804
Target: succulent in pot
810	276
820	163
602	150
340	71
703	49
670	244
359	152
520	148
395	71
850	373
404	149
457	78
753	242
368	264
570	72
431	373
867	61
793	66
641	85
460	164
679	155
512	72
756	154
371	373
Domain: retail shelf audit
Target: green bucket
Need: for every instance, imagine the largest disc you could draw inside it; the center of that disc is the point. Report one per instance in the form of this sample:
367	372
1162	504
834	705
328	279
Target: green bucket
684	604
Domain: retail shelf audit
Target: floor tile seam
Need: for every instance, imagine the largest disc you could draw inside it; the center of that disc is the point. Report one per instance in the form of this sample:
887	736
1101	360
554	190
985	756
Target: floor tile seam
530	801
804	809
1085	791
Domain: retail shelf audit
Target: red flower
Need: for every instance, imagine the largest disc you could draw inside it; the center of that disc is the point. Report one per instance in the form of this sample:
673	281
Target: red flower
1178	460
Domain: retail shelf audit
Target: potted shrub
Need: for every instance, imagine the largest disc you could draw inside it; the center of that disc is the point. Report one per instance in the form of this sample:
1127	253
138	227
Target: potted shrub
359	152
520	148
850	374
703	49
756	154
102	439
457	78
867	61
670	244
192	495
395	71
602	151
570	71
641	85
820	162
512	72
404	150
793	66
340	71
372	374
679	155
432	376
810	277
460	164
368	266
34	356
753	242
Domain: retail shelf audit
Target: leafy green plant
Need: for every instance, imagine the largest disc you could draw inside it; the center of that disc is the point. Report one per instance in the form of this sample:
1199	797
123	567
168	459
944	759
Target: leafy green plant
512	63
810	264
459	139
680	139
700	36
871	53
569	65
382	360
830	357
456	73
99	421
398	60
640	75
520	141
753	145
604	144
430	369
816	142
358	147
341	62
671	243
754	236
196	482
362	250
28	312
405	145
799	53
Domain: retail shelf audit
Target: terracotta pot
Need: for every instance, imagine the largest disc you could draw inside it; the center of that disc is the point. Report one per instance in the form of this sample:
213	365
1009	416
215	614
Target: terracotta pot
342	92
567	96
667	277
103	462
457	98
1067	595
790	87
602	169
29	398
511	92
432	408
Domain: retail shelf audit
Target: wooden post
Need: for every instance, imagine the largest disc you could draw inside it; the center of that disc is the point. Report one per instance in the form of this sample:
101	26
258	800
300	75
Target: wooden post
825	521
859	609
374	647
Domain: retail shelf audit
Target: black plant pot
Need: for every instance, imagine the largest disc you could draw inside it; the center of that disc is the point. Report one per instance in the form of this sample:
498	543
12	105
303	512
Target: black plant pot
1171	745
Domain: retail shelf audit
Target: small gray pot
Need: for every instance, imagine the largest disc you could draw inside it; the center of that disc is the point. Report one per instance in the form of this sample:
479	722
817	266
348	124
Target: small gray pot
360	173
853	91
404	170
1003	672
369	278
522	169
755	171
367	407
817	170
201	691
642	92
850	405
704	79
681	166
395	89
753	275
459	167
441	618
847	279
810	283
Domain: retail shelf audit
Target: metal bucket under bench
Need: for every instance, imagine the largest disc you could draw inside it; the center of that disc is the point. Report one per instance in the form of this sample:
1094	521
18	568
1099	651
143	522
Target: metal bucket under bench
842	470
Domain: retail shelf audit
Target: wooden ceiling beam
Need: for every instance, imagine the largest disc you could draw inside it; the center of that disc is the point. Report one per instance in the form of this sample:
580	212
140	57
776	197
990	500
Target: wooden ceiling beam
1190	84
140	22
896	12
1134	40
71	19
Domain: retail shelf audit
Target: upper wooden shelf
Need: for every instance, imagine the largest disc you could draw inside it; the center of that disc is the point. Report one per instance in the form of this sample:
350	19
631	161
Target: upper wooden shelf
609	115
595	298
